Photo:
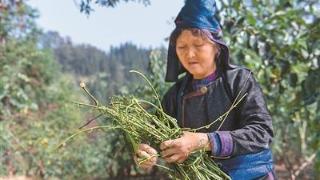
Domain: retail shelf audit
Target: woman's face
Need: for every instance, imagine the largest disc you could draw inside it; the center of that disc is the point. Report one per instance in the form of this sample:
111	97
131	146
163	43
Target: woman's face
196	54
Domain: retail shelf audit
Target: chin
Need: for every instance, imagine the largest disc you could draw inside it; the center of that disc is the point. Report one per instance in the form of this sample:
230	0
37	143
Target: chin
194	71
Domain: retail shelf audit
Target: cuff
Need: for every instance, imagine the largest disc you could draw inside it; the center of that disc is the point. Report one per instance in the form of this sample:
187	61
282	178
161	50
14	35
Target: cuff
221	143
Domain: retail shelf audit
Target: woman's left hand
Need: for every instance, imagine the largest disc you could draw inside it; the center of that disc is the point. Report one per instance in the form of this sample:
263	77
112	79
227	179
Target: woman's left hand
178	150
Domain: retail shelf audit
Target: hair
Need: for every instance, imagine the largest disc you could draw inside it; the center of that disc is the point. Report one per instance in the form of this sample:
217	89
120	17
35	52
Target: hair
203	33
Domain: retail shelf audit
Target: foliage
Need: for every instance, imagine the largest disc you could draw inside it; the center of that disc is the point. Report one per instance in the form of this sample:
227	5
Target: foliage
23	77
36	111
16	20
279	41
85	5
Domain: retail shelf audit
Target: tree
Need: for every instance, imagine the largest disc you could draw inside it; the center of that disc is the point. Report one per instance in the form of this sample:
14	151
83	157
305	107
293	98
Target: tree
106	73
35	109
85	5
280	42
23	73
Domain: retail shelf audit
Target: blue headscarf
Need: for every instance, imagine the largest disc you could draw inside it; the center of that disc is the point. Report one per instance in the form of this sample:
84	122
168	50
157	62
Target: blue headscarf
200	14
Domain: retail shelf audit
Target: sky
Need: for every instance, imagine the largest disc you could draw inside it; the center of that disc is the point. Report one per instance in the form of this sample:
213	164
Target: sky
145	26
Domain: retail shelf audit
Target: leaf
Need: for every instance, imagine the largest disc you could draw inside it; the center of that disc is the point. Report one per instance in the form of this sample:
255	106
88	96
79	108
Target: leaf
251	19
293	79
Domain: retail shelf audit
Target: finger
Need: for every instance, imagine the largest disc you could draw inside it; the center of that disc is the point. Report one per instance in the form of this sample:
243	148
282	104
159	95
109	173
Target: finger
149	162
181	160
168	152
166	144
184	133
172	159
147	148
147	167
151	150
142	154
151	159
146	164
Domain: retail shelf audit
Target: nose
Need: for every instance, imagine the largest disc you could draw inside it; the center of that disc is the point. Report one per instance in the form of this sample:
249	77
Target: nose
190	52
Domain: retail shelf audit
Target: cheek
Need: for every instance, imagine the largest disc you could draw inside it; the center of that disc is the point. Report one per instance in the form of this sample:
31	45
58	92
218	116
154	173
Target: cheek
207	62
209	57
178	54
181	57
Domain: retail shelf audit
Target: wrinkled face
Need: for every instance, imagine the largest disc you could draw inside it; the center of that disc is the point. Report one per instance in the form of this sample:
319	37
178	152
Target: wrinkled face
196	54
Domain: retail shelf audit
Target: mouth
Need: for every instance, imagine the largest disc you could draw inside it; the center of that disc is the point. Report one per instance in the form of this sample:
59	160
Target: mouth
193	63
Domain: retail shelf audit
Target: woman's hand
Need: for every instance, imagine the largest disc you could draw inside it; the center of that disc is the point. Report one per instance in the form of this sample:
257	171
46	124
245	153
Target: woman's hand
178	150
146	157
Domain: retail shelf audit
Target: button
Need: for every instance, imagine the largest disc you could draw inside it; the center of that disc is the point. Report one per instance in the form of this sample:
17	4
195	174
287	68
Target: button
203	89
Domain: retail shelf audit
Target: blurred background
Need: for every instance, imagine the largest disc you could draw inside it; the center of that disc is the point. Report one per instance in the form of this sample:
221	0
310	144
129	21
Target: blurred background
48	47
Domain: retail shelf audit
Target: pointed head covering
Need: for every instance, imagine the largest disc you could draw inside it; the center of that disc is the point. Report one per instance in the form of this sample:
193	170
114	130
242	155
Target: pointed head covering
199	14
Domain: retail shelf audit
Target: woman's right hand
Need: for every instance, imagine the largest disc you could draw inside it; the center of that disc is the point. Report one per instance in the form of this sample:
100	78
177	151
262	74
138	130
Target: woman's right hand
146	157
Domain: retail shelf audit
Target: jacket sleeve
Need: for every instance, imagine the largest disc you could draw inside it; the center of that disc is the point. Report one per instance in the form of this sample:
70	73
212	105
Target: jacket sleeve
255	123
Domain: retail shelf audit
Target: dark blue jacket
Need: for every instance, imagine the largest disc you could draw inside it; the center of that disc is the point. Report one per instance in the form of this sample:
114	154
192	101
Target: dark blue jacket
242	144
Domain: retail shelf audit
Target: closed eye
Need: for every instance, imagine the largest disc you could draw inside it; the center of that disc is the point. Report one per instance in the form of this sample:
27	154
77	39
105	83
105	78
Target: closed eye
181	47
199	45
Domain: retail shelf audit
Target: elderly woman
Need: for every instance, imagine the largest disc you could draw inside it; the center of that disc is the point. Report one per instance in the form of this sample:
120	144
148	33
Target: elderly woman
240	144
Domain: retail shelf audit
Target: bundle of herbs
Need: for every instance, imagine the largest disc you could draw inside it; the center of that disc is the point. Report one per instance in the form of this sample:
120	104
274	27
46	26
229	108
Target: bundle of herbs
144	122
